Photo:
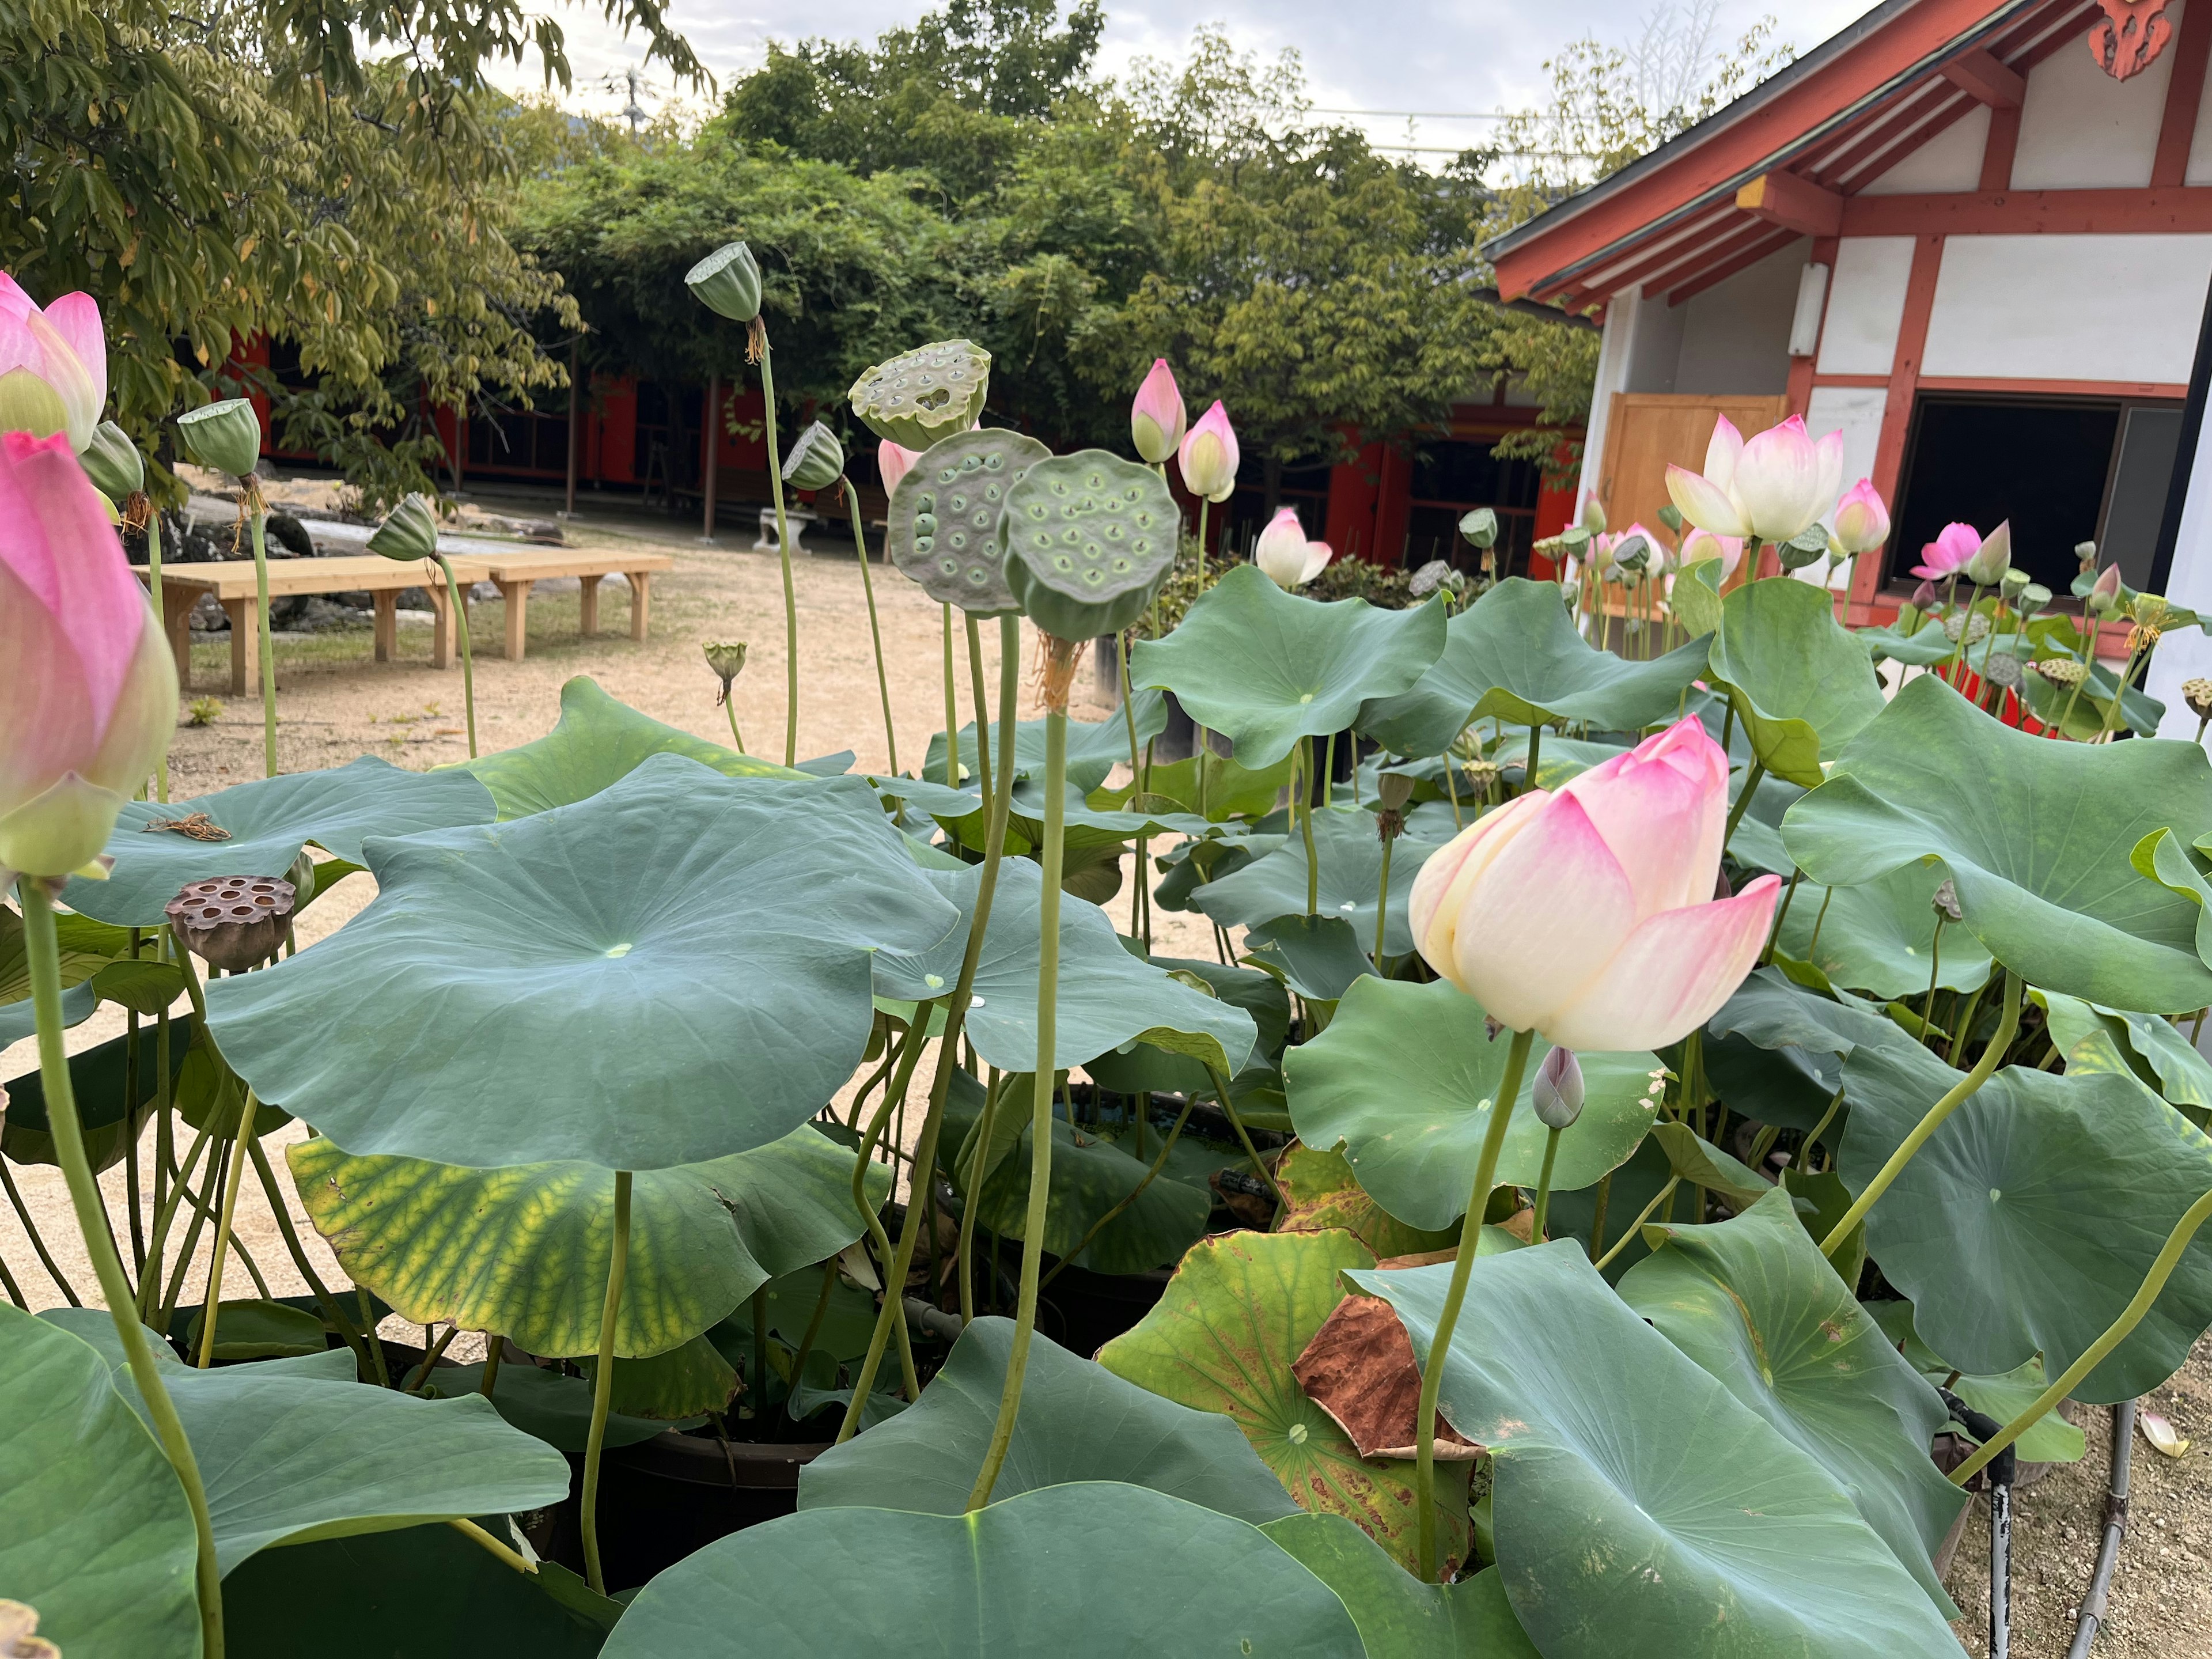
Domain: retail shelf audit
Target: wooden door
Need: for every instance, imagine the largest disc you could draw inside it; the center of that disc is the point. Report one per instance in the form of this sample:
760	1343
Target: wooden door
1647	430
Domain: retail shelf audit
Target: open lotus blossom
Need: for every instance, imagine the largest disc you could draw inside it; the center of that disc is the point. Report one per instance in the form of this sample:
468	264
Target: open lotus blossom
89	698
1700	545
1157	419
892	461
1948	553
1285	554
1776	486
1587	914
1862	521
53	365
1209	458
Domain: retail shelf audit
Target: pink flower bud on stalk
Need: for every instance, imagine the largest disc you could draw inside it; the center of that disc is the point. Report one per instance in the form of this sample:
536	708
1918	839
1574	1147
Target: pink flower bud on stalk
1862	522
1557	1095
1700	545
1586	914
892	461
1285	556
1157	419
89	697
1948	554
53	365
1208	459
1774	487
2104	596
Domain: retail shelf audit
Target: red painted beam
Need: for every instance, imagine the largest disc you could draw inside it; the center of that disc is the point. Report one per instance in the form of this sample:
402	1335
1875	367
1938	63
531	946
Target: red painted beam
2032	212
1795	204
2185	94
1981	77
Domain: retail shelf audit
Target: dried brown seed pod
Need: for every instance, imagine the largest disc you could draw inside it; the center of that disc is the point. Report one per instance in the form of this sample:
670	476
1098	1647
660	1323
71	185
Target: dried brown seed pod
233	922
2197	694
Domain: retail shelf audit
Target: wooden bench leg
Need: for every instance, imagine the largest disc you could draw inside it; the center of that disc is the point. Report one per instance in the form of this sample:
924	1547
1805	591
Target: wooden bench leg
387	624
589	599
441	625
640	601
245	646
517	595
177	605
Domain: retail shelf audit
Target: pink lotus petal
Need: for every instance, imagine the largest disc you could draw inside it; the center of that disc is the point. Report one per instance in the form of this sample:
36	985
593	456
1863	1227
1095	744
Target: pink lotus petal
1449	873
56	541
1704	503
75	318
1779	480
1721	450
1670	977
1663	807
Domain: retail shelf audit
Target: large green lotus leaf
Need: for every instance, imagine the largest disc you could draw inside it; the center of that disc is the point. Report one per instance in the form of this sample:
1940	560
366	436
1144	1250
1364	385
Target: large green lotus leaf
2050	702
95	1533
1318	957
1089	1571
1226	791
1513	656
1757	843
2036	837
674	971
1240	1310
680	1385
524	1250
1094	748
1091	1176
788	1301
1399	1616
1145	1068
269	820
1321	1192
2106	1039
2027	1221
597	743
555	1408
1265	668
1404	1078
1079	1421
1106	996
1804	685
1351	856
1641	1511
426	1591
295	1449
100	1077
2052	1440
1879	937
1754	1302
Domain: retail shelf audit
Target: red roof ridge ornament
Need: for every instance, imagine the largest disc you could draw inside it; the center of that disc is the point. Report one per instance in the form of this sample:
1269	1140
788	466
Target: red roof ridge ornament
2128	39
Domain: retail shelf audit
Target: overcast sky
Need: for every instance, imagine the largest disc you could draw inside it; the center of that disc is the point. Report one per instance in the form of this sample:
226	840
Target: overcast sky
1447	56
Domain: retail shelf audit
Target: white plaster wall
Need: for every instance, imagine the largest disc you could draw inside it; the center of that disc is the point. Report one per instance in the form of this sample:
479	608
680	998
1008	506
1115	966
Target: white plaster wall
2081	130
1866	305
1612	365
1655	349
1855	411
1735	335
1951	160
2186	653
2069	307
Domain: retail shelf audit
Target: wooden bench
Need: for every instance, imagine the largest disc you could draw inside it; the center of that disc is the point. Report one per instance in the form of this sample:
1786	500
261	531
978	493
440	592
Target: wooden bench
232	583
516	573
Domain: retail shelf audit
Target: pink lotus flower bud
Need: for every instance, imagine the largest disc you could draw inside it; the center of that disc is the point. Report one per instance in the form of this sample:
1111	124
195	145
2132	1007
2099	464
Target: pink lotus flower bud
1861	518
1923	596
1587	914
1992	558
1156	417
62	348
2105	594
892	461
1208	459
1777	486
1557	1095
88	699
1285	553
1948	553
1700	545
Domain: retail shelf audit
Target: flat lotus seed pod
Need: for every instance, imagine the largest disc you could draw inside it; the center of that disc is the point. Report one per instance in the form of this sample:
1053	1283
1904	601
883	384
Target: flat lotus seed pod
926	394
943	526
1090	539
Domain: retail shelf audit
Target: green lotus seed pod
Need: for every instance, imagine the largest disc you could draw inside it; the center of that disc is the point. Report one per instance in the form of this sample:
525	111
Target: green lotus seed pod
943	528
1479	527
112	462
225	437
815	461
410	530
1089	537
727	281
926	394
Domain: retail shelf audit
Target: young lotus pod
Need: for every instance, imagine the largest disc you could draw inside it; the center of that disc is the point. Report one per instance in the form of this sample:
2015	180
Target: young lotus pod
1088	538
408	532
926	394
1480	526
727	657
815	461
113	463
943	523
727	281
224	437
232	922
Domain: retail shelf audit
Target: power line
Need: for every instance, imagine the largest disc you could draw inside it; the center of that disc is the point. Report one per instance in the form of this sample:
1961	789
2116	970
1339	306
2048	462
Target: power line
1424	114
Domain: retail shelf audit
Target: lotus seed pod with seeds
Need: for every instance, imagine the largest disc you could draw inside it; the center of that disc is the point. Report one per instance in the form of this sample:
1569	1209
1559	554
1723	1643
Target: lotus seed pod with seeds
943	528
232	922
1945	902
1480	526
410	530
2001	668
225	437
2197	694
817	460
1089	539
2061	670
925	395
727	282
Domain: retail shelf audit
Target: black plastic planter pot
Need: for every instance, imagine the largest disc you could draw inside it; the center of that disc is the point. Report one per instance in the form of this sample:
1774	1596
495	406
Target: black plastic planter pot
1082	1311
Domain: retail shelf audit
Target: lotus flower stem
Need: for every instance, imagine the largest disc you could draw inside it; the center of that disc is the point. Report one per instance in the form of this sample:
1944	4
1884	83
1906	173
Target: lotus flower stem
131	1145
2147	1294
1056	837
1781	915
1597	1214
1470	1242
1451	787
1304	774
736	736
1826	894
965	1251
2119	696
1805	1149
1953	1098
1131	1197
1528	770
164	1214
331	1308
951	709
1751	777
468	662
211	1309
759	1372
419	1378
603	1378
875	632
1258	1163
1958	1044
154	581
43	959
1382	901
203	1210
488	1384
1935	969
782	550
1544	1186
1140	912
14	1291
982	702
894	1098
813	1328
38	1241
477	1535
1665	1195
256	520
1328	772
